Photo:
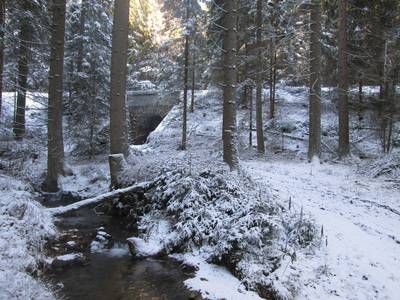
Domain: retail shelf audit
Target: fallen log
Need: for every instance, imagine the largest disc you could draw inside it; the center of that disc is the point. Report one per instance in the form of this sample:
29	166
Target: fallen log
140	187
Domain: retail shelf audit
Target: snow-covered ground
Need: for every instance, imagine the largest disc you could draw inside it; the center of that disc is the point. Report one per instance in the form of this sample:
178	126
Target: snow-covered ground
358	215
359	258
24	227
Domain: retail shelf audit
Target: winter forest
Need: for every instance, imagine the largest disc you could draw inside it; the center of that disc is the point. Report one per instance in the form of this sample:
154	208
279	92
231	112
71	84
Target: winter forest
200	149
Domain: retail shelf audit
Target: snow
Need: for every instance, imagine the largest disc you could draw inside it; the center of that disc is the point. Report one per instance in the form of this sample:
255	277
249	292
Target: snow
118	250
71	243
355	205
155	243
70	257
144	248
95	200
360	259
88	179
214	282
357	216
24	226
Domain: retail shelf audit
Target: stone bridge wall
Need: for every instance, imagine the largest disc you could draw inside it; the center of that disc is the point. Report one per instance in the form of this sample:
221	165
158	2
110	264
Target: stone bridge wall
146	111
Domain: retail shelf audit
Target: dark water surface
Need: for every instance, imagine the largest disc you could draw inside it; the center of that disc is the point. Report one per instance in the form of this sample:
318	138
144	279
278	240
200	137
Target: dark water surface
123	278
115	274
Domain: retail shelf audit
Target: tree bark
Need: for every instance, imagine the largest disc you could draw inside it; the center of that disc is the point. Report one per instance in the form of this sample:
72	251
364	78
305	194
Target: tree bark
229	60
344	141
55	144
259	87
25	36
193	76
272	81
82	21
2	23
360	97
118	113
314	146
250	116
118	124
185	84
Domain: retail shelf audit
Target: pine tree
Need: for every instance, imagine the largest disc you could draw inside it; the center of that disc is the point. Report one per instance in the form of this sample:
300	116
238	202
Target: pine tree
118	126
55	143
314	146
25	36
185	81
229	85
259	88
88	56
344	146
2	25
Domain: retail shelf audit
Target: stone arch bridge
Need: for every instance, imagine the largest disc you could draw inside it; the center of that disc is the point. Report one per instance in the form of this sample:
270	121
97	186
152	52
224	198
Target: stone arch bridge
146	111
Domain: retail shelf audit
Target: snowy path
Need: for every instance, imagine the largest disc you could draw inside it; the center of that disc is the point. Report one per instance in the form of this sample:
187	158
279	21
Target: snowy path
361	219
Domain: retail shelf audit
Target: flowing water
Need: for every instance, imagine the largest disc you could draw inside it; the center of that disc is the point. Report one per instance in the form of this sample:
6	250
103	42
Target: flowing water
114	273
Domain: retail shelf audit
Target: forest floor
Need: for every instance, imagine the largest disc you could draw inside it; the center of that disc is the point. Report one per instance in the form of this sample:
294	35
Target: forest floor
358	258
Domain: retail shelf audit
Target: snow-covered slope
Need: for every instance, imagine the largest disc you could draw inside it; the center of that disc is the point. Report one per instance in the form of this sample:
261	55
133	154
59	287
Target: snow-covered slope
24	227
359	255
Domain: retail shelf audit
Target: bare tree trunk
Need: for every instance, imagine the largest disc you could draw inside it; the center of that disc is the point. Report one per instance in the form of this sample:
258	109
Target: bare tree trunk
385	101
314	146
272	81
244	103
55	144
259	88
25	36
360	97
92	125
2	23
229	60
392	109
118	127
82	22
274	78
250	116
193	76
344	141
185	84
118	115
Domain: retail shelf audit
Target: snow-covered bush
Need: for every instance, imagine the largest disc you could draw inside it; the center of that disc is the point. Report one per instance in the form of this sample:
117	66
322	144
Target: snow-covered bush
228	219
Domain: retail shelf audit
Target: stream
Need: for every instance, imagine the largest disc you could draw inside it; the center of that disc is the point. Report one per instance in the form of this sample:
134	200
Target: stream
113	273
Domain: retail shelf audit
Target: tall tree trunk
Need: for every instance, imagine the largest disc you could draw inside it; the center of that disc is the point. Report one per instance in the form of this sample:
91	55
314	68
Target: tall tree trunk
385	101
185	84
229	60
193	76
55	144
344	144
314	146
392	108
25	36
360	97
82	21
2	23
250	116
244	103
118	115
272	81
259	87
